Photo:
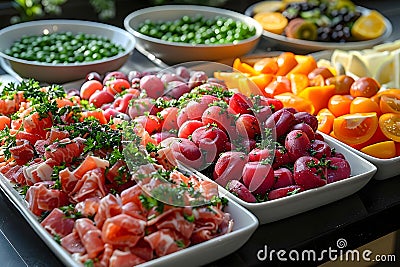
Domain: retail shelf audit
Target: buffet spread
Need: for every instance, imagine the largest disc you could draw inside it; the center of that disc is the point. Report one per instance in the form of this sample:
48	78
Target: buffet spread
159	167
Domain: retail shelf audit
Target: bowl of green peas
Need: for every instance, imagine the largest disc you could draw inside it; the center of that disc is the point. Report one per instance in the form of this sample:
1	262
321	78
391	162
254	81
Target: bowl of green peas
60	51
183	33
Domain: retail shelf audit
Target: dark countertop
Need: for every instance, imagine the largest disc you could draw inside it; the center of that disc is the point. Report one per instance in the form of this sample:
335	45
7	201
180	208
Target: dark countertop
359	218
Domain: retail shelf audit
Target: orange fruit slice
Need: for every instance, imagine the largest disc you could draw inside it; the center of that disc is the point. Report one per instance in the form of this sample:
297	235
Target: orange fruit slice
382	150
390	125
273	22
291	100
369	26
355	128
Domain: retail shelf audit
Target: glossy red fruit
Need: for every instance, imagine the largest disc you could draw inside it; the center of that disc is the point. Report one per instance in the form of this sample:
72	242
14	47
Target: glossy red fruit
307	118
297	144
188	127
258	154
283	178
309	173
229	166
211	140
305	128
282	121
223	118
319	149
248	126
240	104
284	191
99	98
240	190
338	169
281	157
258	177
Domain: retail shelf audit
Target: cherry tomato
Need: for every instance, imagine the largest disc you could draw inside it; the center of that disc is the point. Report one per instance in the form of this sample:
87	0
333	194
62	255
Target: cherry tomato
320	149
340	104
210	139
89	87
114	75
153	86
240	190
282	121
389	123
339	169
116	86
188	127
139	106
342	84
258	154
355	128
306	129
100	98
364	104
283	177
364	86
223	118
389	104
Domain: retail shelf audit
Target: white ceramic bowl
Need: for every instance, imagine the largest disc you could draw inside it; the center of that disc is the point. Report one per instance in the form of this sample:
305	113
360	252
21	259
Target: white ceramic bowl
244	226
305	46
60	73
362	172
172	52
386	168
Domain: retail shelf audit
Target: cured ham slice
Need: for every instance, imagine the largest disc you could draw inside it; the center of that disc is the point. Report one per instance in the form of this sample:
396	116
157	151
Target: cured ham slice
88	164
15	174
41	197
22	152
88	207
174	219
72	243
90	185
56	223
164	242
68	180
123	230
65	150
39	170
31	137
37	123
109	206
90	237
124	259
143	250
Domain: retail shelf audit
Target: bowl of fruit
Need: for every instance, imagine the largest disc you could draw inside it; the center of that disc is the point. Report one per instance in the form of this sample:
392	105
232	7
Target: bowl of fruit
59	51
182	33
310	26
